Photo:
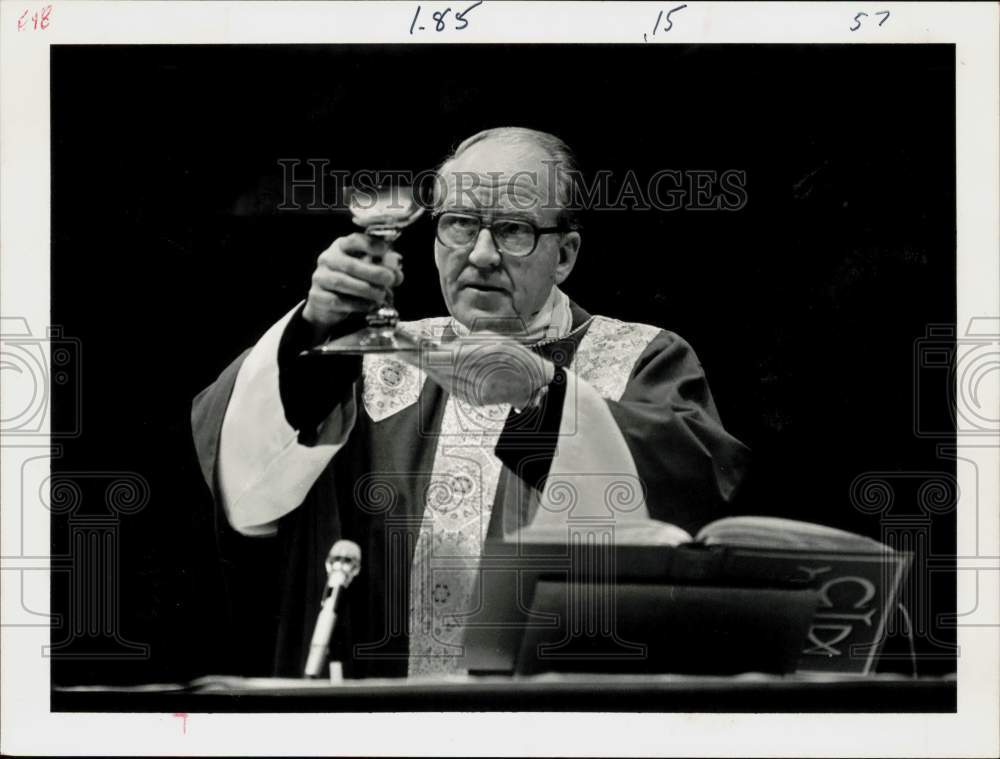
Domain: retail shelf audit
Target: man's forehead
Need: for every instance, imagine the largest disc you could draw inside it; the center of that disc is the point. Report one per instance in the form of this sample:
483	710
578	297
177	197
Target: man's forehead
495	174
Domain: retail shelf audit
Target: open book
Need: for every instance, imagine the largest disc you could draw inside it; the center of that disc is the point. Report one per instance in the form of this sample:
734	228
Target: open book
856	578
748	531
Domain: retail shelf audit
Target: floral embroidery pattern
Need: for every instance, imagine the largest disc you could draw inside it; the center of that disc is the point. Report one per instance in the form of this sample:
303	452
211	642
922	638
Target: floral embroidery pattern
457	512
459	499
608	352
390	385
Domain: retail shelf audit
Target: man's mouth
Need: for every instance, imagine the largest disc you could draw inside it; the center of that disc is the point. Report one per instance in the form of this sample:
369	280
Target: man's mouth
486	288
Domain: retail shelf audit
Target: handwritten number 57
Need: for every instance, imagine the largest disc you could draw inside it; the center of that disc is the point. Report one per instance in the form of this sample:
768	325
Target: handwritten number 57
857	19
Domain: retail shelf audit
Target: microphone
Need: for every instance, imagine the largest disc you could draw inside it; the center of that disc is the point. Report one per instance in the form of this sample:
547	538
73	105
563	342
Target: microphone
342	565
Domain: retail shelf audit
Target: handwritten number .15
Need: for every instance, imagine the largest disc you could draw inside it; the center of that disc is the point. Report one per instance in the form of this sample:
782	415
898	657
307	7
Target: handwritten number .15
670	24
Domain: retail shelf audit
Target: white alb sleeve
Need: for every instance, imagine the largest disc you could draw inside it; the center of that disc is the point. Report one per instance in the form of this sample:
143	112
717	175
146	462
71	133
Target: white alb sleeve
263	471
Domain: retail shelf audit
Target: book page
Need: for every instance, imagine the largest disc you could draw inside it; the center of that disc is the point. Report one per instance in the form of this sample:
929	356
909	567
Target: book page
638	533
775	532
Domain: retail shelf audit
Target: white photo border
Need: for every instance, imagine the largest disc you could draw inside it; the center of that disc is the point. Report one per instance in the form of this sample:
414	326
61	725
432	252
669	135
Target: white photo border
28	727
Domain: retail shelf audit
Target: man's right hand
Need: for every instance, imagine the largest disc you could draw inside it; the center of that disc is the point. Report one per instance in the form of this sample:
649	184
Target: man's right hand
351	276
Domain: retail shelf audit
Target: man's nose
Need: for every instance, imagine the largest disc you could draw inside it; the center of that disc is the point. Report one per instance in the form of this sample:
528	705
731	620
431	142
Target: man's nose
484	255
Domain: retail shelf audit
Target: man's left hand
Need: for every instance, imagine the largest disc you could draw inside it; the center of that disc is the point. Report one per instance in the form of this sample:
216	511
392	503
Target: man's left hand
485	368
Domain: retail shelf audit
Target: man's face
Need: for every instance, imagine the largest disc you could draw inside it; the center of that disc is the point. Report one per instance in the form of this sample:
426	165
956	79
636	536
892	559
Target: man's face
483	288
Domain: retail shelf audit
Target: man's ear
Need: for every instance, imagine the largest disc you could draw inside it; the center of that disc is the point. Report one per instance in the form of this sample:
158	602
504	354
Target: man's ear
569	247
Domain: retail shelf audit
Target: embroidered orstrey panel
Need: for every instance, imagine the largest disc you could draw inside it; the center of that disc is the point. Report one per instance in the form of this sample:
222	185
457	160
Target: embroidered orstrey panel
444	577
389	384
459	501
608	352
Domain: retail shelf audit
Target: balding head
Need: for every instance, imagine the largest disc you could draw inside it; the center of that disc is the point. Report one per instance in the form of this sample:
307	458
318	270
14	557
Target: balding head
536	158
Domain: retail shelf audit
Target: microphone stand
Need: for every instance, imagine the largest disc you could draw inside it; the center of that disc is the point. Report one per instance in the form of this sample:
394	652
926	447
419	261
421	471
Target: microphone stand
342	565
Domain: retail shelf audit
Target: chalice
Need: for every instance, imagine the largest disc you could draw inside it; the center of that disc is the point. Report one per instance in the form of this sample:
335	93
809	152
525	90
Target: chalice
383	218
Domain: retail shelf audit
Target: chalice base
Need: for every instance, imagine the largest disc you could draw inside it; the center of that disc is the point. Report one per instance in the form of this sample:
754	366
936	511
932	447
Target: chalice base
368	340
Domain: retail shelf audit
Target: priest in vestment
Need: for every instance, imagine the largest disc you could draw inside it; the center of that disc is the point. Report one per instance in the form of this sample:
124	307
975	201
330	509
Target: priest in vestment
530	413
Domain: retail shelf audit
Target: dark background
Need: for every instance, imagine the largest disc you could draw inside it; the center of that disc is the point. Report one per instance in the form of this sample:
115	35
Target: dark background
169	258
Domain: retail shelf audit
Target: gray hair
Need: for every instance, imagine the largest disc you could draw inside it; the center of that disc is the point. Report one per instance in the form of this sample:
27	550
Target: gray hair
560	158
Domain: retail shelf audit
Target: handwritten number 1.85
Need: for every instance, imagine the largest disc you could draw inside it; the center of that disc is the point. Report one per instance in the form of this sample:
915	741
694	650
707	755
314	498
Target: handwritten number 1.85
440	17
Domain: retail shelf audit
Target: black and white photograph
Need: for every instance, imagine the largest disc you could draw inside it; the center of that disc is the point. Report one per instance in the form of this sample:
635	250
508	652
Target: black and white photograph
460	368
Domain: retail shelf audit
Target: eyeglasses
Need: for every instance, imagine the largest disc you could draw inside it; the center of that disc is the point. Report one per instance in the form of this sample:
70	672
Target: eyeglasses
512	237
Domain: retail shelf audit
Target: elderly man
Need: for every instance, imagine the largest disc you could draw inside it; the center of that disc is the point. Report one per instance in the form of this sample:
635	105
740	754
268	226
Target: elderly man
526	415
